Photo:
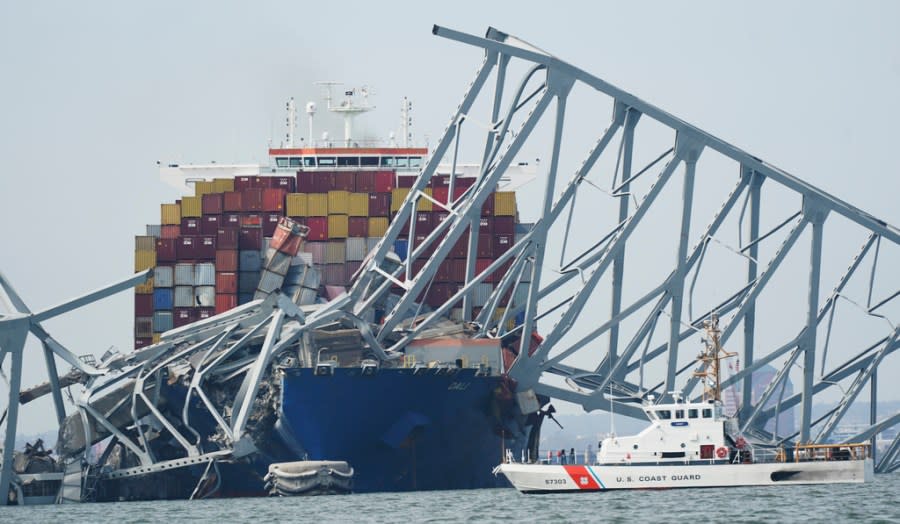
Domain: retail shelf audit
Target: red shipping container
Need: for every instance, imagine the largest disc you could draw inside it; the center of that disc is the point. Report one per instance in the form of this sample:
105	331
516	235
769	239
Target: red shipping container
318	228
226	282
438	217
504	226
403	180
190	226
230	220
246	182
322	182
142	342
270	222
205	312
227	259
462	184
487	210
444	271
211	204
250	238
481	264
232	201
343	181
461	248
458	270
225	302
305	182
227	238
440	194
379	204
384	181
251	221
486	225
273	200
420	239
502	244
185	248
182	316
166	250
209	224
365	182
286	183
424	222
252	199
440	181
143	305
440	293
485	245
205	247
358	226
284	239
170	231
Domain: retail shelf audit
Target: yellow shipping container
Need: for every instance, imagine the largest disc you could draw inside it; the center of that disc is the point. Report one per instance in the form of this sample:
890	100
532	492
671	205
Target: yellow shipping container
144	289
204	187
359	205
317	204
504	204
144	259
338	202
296	205
338	226
156	338
398	195
378	226
144	243
223	185
191	206
170	214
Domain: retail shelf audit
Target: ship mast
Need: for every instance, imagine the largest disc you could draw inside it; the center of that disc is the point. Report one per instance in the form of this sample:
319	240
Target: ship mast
711	359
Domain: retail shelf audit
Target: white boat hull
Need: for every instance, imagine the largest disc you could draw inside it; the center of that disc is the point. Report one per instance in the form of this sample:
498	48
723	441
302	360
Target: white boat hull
537	478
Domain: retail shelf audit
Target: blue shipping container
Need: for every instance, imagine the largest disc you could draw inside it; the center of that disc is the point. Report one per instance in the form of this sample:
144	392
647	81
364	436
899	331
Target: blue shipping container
401	245
163	297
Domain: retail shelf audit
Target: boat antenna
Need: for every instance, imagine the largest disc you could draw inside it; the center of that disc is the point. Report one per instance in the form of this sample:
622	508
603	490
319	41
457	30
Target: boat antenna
710	358
406	120
311	111
291	122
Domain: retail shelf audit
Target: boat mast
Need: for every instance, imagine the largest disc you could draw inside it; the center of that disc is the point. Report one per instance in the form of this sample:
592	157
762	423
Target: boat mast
711	359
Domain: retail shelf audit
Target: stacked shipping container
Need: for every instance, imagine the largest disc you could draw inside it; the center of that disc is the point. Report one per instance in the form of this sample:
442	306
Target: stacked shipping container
209	249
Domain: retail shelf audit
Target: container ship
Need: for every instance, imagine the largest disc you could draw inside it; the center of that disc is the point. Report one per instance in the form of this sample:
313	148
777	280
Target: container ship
245	354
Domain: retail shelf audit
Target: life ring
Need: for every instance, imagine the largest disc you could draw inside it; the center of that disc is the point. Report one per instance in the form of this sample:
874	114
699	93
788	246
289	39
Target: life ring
721	452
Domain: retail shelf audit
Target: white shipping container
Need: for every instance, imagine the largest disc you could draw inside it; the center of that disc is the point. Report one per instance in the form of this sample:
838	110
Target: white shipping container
184	296
154	230
372	243
163	276
335	253
481	293
162	321
356	249
302	258
205	274
307	296
269	282
205	296
184	275
317	250
278	262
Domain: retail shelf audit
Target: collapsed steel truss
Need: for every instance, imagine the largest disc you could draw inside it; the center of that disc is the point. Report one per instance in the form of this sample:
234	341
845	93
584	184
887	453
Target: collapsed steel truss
548	297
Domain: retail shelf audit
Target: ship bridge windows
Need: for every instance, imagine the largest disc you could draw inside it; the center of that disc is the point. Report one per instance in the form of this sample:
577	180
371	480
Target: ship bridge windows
347	161
664	414
415	161
401	161
327	161
707	413
679	414
282	161
368	161
295	161
692	413
387	161
309	161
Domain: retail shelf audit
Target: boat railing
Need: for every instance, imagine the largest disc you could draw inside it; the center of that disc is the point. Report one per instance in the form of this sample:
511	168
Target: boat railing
829	452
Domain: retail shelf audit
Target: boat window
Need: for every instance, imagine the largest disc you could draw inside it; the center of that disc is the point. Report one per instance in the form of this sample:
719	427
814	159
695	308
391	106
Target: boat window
281	161
309	161
707	413
415	161
368	161
679	413
387	161
664	414
692	413
295	162
348	161
402	161
326	160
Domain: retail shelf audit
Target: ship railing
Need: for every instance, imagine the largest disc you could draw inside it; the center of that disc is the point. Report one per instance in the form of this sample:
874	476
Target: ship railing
829	452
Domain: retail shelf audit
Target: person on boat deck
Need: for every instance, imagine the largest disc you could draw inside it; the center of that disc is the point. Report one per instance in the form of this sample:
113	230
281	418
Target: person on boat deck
561	456
572	456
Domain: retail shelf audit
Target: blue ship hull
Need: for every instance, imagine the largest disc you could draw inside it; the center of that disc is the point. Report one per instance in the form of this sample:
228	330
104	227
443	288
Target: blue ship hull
401	429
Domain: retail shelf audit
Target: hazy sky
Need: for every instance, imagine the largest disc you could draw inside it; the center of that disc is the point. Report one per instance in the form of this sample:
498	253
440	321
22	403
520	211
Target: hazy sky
94	93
